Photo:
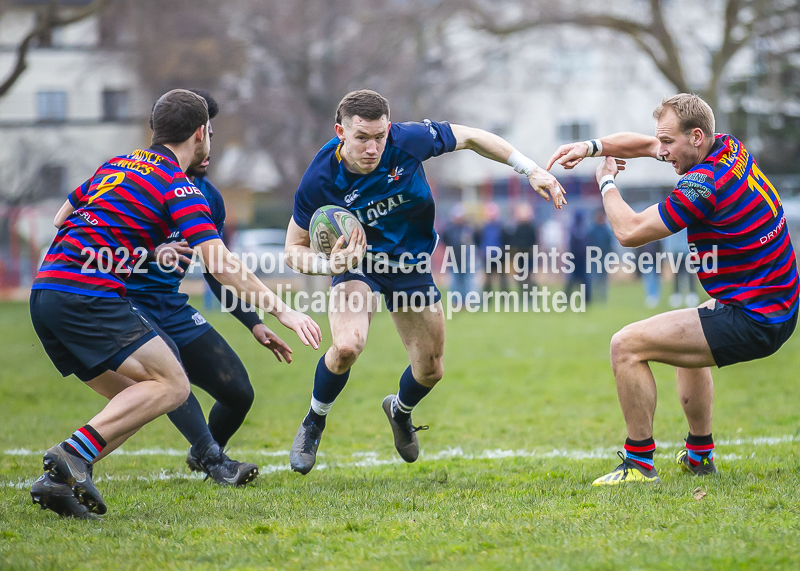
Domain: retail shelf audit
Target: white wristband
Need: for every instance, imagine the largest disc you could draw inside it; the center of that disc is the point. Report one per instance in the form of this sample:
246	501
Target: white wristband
320	266
606	183
595	147
521	163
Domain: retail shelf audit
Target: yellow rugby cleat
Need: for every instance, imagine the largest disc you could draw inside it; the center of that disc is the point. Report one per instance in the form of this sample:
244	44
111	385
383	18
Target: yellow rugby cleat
705	467
627	472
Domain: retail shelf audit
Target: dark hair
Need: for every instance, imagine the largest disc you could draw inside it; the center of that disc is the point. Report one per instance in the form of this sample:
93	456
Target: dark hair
176	115
367	104
213	106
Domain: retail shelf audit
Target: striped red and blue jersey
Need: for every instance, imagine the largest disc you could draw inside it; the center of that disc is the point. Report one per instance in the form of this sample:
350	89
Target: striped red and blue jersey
130	205
728	203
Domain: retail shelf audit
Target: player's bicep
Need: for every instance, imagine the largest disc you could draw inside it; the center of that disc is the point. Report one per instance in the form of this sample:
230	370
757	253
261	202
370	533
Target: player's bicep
463	135
650	226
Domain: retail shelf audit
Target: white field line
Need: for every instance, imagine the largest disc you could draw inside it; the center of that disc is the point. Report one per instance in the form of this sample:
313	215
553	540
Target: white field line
371	459
447	452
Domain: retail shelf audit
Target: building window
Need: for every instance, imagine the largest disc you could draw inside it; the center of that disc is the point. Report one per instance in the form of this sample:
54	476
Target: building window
569	132
52	105
116	105
52	181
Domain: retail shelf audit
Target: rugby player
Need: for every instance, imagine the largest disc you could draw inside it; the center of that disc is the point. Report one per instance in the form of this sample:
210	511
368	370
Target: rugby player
732	213
374	169
209	362
130	205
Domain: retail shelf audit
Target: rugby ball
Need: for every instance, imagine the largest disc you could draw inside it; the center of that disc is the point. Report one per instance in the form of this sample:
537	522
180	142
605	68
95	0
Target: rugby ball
327	224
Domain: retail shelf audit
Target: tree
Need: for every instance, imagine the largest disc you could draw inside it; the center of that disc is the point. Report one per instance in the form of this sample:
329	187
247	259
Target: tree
659	28
303	56
767	102
49	16
280	68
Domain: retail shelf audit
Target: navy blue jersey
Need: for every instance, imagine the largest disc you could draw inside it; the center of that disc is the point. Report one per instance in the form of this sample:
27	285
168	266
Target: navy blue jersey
393	202
155	280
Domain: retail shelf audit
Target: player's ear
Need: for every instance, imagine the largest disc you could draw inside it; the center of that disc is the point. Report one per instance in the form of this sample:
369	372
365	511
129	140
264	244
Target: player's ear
199	133
339	131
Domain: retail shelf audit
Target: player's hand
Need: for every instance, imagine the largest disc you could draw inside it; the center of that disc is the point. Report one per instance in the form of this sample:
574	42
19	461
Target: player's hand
268	339
170	255
610	166
546	184
346	257
568	156
306	328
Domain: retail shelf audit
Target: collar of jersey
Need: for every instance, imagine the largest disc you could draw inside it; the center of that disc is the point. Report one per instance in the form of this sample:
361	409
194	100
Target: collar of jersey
166	153
718	150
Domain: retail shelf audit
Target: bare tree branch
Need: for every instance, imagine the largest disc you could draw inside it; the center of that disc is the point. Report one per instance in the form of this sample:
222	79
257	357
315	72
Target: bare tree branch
644	35
49	19
654	38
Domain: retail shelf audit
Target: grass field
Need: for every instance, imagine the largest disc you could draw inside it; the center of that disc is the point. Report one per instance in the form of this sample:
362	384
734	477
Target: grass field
525	418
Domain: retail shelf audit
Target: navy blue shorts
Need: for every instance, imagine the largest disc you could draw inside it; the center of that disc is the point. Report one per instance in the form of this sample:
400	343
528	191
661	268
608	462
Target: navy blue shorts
87	335
735	337
172	314
414	289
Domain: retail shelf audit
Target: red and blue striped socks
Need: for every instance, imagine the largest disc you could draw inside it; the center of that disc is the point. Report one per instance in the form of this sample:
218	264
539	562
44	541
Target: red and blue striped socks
699	448
84	443
641	452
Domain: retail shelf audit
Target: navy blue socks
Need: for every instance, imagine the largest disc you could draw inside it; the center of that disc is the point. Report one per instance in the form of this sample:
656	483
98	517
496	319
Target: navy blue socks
327	386
409	395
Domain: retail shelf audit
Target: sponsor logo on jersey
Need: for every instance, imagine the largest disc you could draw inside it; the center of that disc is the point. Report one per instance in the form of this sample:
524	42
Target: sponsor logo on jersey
371	213
433	131
697	177
351	197
182	191
692	190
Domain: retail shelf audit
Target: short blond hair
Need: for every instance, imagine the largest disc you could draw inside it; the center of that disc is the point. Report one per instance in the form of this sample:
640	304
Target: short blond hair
692	112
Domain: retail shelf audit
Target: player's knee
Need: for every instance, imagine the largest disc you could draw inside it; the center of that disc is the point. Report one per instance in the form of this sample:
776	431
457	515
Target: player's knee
621	347
177	390
242	398
346	352
431	373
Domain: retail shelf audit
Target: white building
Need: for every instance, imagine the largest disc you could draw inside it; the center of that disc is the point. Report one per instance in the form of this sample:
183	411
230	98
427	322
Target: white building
75	106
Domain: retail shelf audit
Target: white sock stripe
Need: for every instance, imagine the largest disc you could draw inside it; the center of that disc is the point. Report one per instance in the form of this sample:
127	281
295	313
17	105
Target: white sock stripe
402	407
320	408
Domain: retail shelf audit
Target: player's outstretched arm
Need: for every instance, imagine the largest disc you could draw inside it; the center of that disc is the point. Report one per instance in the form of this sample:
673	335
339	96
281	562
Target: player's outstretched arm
301	258
248	317
498	149
229	270
632	229
621	145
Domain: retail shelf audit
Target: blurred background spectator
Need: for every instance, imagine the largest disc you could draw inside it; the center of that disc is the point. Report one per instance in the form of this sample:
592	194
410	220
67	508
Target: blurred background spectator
651	279
601	237
684	281
493	239
578	242
460	235
522	238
